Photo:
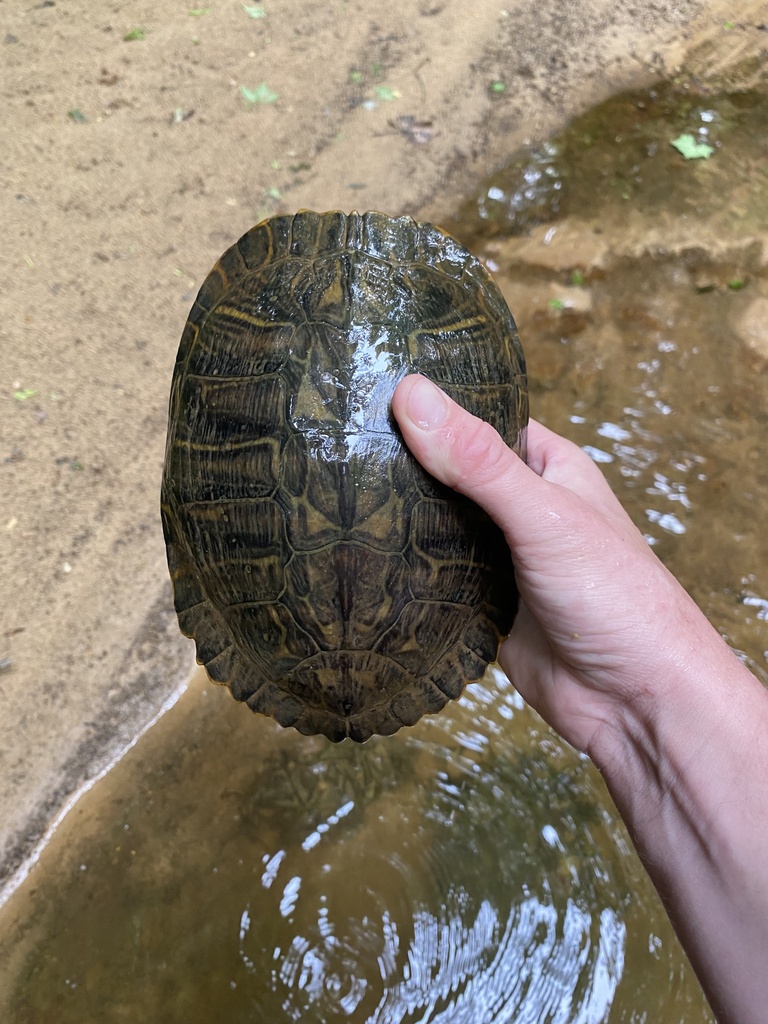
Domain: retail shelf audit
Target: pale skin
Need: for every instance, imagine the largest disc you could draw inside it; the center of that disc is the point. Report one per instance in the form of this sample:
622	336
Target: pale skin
609	648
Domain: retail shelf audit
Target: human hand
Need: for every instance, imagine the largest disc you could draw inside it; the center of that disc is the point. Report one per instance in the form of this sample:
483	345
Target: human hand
614	654
601	620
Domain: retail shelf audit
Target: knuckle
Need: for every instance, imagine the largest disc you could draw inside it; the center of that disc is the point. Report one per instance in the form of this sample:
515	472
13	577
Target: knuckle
479	453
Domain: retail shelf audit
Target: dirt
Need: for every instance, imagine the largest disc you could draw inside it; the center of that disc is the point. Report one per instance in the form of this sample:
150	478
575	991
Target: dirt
139	141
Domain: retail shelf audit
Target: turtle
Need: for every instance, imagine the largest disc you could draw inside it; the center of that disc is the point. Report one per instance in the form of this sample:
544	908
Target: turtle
325	577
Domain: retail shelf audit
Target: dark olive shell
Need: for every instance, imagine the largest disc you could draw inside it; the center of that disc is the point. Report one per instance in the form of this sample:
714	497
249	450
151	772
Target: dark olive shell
326	578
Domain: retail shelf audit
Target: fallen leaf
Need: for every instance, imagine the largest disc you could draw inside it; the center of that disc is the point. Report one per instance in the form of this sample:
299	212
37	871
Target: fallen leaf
261	94
691	148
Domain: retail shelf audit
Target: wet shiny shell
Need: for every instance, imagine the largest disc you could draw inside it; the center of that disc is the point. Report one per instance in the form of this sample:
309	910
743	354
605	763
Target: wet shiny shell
325	577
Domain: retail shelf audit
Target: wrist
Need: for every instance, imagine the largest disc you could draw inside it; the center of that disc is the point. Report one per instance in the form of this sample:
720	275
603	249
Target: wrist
686	767
674	680
672	756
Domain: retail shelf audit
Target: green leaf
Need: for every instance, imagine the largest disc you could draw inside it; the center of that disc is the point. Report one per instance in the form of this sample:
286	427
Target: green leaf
24	393
134	34
556	304
736	284
261	94
498	87
691	148
76	115
253	11
383	92
577	278
198	12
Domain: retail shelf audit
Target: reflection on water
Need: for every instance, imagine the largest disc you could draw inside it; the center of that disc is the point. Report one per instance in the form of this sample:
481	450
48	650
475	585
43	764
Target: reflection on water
472	868
440	894
621	153
527	192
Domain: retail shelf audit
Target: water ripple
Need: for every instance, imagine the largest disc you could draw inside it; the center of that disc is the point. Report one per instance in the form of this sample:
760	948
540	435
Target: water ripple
418	903
539	964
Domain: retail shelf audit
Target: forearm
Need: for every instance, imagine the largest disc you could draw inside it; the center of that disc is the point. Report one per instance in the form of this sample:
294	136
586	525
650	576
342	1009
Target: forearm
688	771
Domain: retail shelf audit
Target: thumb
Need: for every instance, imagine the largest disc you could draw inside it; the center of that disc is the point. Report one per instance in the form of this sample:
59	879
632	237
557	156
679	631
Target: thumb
459	449
559	518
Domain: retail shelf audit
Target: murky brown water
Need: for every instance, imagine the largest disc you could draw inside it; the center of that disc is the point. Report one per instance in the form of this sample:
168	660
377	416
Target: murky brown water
471	869
642	302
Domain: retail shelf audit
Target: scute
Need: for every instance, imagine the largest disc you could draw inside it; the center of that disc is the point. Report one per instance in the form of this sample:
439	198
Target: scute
325	577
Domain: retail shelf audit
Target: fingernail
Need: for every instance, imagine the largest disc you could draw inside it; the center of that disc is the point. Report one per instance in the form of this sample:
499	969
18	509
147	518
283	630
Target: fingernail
426	404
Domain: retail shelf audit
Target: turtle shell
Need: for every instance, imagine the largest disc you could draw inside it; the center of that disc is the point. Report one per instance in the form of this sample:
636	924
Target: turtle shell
326	578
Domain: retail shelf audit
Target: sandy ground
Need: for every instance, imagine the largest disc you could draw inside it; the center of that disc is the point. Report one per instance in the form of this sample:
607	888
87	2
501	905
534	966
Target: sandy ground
131	156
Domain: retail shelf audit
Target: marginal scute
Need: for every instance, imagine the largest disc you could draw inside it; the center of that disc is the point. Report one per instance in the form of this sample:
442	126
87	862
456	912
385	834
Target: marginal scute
326	578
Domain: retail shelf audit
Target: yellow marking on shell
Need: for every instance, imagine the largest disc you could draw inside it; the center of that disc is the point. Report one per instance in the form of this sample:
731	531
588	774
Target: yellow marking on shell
180	574
211	509
439	330
334	293
218	446
212	381
248	318
458	325
271	236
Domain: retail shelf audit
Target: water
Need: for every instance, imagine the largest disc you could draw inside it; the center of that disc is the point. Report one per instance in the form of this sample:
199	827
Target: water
635	297
619	155
471	869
